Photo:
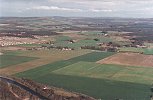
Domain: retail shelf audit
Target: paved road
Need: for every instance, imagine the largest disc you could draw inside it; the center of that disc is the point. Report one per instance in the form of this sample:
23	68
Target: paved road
23	87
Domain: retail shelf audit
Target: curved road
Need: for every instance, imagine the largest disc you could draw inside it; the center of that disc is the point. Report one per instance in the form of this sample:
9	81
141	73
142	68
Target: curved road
23	87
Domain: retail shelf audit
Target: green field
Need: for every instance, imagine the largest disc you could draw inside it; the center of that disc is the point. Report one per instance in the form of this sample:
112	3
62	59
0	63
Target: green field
45	69
133	49
92	57
114	72
76	45
82	74
7	60
98	88
88	40
62	38
148	51
45	57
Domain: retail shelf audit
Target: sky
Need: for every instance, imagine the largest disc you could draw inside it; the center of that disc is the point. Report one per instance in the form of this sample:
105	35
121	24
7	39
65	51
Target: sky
77	8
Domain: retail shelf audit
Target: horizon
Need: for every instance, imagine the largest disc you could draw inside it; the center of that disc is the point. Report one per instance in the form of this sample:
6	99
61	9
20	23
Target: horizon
74	17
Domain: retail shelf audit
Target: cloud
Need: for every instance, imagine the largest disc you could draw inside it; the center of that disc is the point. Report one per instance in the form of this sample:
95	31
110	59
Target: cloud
110	8
99	0
68	9
55	8
104	10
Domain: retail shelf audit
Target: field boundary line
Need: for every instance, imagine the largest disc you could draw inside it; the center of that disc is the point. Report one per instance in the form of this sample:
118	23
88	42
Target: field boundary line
64	67
106	58
93	67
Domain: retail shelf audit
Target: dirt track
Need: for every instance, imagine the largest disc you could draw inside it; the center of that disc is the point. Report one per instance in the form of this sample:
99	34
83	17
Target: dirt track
130	59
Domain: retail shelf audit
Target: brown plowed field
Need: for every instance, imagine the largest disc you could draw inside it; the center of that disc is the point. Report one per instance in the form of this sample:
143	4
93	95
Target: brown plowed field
130	59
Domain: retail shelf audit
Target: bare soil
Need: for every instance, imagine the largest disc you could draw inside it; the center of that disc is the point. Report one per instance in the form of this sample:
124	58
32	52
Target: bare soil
13	48
129	59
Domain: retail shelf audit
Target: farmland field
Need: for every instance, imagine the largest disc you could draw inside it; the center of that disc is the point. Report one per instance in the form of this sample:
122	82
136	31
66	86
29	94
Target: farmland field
45	57
7	60
45	69
82	40
132	49
77	44
83	74
29	45
108	58
62	38
113	72
49	53
129	59
147	51
92	57
63	63
98	88
17	52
